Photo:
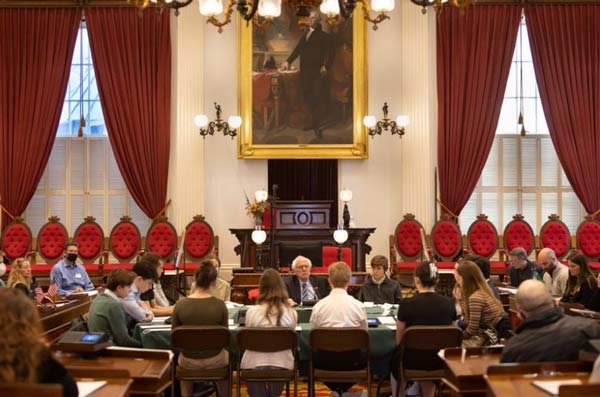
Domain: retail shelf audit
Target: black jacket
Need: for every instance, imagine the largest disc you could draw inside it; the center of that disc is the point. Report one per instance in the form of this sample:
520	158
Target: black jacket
388	291
319	284
550	336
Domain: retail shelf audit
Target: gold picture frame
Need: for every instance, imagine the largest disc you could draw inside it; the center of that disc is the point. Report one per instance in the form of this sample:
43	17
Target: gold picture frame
248	145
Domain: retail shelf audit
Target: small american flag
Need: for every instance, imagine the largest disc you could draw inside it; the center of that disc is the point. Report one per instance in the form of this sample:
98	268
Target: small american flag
39	297
52	290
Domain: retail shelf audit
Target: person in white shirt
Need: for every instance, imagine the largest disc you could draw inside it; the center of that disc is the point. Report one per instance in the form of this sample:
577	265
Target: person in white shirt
556	275
272	310
132	304
339	309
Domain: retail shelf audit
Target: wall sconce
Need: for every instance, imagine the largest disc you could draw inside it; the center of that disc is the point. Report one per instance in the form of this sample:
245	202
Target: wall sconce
228	127
259	236
346	196
375	127
340	236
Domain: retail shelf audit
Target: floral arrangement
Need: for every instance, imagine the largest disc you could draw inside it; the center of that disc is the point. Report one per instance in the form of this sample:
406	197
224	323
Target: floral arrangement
256	209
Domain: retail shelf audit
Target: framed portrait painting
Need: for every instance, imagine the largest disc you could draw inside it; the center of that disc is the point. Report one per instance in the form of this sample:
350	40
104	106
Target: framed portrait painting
303	89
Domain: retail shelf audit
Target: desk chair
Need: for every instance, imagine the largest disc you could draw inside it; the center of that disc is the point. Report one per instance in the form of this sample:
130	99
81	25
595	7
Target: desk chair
198	339
38	390
426	338
267	340
338	340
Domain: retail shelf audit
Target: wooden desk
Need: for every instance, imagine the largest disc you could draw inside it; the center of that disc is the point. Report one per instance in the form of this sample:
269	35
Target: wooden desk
522	386
467	377
56	321
242	282
149	369
114	387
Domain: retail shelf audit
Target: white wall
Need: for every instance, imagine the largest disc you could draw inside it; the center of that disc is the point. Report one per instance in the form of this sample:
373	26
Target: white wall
398	176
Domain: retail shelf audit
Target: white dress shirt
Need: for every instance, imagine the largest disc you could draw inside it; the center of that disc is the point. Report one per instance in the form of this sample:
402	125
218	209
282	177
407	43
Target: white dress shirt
339	310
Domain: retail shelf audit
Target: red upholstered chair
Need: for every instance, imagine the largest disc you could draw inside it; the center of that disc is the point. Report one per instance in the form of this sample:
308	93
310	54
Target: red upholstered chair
406	242
200	241
518	233
89	236
330	255
161	239
51	240
446	241
124	243
555	234
482	240
588	240
16	240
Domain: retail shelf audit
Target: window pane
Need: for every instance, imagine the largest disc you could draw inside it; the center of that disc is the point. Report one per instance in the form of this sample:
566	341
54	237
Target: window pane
469	214
529	117
78	212
35	214
529	209
507	123
510	206
549	166
57	165
489	176
571	211
97	156
78	165
489	206
509	161
549	205
529	161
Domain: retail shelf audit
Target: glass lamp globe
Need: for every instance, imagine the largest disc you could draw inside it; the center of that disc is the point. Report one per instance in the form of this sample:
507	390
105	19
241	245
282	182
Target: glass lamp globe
340	236
346	195
201	120
261	195
259	236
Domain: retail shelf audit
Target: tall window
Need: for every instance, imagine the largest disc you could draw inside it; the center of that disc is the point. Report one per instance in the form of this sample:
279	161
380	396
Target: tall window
523	174
82	177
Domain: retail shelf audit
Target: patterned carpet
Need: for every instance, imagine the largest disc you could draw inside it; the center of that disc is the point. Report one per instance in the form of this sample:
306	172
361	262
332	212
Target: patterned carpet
321	390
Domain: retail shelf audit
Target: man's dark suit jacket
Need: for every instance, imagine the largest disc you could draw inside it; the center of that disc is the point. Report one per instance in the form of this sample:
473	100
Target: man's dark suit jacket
319	284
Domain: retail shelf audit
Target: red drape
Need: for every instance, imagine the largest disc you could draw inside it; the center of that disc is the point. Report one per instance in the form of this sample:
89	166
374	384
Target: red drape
132	59
474	52
36	48
565	45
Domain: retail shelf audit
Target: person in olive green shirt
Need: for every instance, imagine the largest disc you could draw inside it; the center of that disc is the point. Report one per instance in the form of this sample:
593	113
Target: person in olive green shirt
106	312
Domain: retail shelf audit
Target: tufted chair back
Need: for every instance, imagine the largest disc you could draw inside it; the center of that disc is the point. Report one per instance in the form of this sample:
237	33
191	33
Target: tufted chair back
16	239
199	239
407	239
588	238
518	233
125	240
482	237
51	240
446	239
162	238
330	255
90	238
555	234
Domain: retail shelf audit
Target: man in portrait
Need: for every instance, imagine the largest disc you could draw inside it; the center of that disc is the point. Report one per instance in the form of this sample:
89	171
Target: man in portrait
315	50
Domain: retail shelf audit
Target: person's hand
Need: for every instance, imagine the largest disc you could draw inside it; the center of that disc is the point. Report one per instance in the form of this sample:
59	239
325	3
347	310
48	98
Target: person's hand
38	290
323	70
284	66
291	302
149	316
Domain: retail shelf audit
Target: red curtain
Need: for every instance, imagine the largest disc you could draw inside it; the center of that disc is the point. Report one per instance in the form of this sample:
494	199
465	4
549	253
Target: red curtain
132	59
474	52
565	45
36	48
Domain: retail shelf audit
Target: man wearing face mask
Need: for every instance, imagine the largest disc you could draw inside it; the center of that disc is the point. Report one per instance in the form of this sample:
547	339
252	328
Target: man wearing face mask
68	275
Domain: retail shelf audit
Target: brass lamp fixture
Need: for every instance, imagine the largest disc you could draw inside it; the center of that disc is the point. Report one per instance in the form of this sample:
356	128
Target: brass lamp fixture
437	4
229	127
375	127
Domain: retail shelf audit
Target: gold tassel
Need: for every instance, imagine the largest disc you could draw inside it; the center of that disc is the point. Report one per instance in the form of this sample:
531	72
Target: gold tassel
523	132
81	125
520	122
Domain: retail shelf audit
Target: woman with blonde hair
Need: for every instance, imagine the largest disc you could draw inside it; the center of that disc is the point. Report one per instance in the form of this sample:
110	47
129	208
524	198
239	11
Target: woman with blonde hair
21	279
272	310
24	356
482	312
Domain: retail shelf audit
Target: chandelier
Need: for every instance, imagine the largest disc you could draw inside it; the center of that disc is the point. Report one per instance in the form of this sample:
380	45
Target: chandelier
437	4
262	12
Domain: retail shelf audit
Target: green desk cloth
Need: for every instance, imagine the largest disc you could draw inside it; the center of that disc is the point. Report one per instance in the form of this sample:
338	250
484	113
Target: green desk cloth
157	335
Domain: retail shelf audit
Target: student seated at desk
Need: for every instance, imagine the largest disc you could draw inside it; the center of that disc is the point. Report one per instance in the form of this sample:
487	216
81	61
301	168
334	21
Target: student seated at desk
132	304
201	308
69	275
24	356
272	310
581	284
106	312
379	288
155	299
21	279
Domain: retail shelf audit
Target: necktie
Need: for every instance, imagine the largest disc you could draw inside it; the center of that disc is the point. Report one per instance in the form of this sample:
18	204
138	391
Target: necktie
308	34
305	293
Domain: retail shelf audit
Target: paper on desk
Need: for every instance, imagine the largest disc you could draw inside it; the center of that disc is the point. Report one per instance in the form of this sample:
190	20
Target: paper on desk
160	319
552	386
232	305
387	320
86	387
233	326
392	327
298	328
146	326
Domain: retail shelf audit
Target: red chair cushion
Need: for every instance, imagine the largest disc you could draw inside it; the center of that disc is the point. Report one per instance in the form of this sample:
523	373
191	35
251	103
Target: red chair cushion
161	239
91	268
404	267
41	270
111	266
497	267
16	242
124	241
483	239
253	294
52	240
446	239
198	239
556	236
408	238
518	234
90	238
588	239
330	255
